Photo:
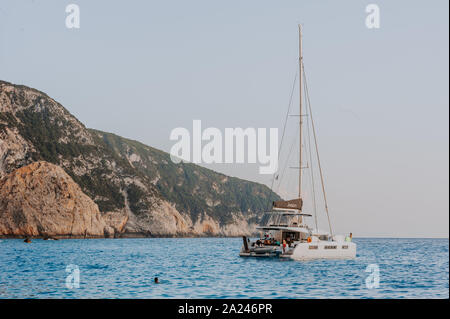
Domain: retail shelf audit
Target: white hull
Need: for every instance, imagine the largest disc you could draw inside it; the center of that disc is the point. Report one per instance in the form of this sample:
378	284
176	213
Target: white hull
310	251
323	250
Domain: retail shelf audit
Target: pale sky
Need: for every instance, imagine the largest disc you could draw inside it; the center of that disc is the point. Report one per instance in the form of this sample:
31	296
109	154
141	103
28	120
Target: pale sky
380	96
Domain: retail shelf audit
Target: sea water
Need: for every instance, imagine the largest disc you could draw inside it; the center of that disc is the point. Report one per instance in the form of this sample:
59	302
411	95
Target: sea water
212	268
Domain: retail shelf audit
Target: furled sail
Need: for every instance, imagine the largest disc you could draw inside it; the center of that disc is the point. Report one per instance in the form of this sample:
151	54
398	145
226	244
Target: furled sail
289	204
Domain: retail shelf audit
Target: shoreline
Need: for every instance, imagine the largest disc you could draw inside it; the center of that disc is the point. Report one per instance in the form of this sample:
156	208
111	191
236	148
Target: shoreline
142	236
123	236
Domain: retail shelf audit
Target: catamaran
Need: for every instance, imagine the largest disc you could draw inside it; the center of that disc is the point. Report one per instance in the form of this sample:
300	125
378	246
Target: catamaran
286	233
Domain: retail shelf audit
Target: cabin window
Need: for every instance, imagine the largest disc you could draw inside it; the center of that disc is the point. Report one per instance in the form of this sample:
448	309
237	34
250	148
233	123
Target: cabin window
313	247
291	236
330	247
345	247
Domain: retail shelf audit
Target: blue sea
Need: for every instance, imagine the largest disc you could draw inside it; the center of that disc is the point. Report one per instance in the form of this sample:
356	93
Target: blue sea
211	268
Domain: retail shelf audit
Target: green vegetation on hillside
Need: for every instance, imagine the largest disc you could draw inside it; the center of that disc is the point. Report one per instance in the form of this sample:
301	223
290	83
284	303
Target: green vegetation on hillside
191	187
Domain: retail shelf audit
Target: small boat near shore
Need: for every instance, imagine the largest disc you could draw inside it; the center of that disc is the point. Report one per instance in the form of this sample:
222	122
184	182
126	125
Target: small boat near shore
286	232
50	238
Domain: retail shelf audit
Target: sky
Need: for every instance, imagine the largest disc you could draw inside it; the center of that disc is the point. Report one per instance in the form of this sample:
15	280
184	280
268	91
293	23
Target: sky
380	96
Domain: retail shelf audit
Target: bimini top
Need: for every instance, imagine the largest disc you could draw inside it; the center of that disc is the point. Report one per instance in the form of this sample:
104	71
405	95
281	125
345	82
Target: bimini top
295	229
289	204
287	212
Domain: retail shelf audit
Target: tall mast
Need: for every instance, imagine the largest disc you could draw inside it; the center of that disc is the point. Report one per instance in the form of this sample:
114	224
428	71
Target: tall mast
300	62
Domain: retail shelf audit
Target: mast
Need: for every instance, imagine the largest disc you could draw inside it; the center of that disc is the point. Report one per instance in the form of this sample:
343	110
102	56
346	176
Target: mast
300	61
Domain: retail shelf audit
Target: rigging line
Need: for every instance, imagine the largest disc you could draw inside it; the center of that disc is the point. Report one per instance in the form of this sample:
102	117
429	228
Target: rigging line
284	126
287	159
308	131
287	114
317	152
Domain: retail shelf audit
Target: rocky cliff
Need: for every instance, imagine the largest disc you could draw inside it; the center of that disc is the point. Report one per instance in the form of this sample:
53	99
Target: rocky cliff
138	189
41	200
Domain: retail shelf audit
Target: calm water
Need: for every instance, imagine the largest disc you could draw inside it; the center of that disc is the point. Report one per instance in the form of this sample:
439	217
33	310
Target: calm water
211	268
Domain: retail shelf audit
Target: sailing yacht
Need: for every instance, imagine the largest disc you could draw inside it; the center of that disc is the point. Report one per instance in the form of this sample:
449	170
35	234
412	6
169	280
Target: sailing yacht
286	232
